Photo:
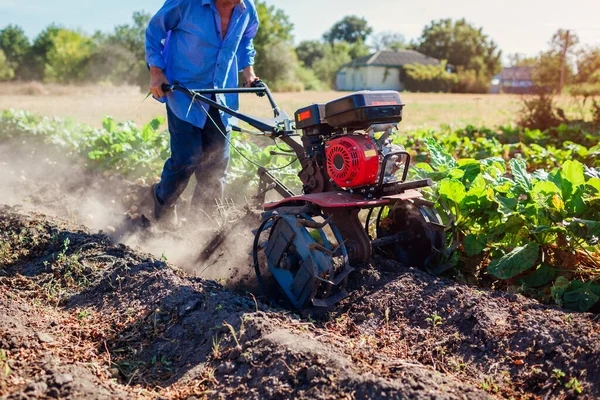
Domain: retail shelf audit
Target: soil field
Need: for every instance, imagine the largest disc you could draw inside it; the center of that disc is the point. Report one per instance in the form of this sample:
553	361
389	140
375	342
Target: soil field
84	316
87	318
89	104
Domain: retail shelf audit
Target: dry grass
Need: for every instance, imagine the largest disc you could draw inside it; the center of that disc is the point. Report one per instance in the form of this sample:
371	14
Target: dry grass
89	104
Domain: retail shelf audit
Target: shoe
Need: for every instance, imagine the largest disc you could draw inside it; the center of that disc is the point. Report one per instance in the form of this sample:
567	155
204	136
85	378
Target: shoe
162	213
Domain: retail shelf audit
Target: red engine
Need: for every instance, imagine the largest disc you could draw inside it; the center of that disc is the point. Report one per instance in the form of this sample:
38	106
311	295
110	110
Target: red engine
352	161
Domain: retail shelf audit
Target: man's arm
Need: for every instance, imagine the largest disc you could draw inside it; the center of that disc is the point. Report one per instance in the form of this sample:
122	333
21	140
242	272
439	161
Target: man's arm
246	52
165	20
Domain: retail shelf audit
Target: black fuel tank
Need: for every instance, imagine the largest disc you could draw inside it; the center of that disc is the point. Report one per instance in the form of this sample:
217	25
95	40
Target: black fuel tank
363	109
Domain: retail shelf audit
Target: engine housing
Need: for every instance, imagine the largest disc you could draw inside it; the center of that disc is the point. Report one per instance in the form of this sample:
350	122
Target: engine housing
352	161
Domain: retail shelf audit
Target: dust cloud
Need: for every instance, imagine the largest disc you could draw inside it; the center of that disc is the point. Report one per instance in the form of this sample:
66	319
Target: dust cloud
34	178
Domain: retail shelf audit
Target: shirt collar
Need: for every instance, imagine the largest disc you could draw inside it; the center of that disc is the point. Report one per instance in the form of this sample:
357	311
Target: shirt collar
242	5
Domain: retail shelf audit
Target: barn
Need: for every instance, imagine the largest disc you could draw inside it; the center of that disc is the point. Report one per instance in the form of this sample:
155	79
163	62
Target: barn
379	71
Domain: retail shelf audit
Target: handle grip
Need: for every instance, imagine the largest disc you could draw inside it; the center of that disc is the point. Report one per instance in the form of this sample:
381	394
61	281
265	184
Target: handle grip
259	84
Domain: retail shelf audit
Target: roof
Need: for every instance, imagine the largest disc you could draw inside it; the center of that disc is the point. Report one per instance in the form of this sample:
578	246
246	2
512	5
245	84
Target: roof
391	58
516	74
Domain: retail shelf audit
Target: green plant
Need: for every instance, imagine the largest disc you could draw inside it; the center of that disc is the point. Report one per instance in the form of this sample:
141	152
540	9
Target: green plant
489	385
575	385
558	374
216	346
435	320
5	370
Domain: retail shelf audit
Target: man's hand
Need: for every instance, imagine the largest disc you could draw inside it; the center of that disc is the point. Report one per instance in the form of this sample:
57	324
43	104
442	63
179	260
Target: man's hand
249	76
157	79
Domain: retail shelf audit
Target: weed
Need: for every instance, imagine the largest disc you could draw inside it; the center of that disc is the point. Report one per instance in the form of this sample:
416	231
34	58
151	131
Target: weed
232	330
558	374
5	370
435	320
575	385
489	385
216	346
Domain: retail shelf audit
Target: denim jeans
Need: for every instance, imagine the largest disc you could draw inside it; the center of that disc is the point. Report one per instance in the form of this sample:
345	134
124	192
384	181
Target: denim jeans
194	151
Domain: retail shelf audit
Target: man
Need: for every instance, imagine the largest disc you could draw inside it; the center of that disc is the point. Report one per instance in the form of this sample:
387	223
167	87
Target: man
201	44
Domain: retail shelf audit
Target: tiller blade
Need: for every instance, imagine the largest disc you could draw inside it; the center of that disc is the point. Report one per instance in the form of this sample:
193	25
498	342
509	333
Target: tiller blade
299	261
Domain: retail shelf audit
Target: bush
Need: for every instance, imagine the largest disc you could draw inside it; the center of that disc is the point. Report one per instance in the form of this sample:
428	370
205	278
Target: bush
539	112
6	72
428	78
596	115
469	81
327	67
308	79
278	66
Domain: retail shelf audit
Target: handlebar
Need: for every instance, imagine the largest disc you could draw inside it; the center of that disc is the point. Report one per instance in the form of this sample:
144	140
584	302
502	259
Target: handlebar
273	126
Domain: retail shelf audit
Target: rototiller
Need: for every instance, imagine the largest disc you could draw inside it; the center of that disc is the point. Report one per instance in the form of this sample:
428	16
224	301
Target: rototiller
356	198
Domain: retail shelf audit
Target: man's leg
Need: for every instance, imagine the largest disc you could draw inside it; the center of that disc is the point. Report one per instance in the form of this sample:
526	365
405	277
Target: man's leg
210	173
186	151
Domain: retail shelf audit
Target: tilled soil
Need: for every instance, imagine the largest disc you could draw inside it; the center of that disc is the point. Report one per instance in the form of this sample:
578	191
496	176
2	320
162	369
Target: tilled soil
84	317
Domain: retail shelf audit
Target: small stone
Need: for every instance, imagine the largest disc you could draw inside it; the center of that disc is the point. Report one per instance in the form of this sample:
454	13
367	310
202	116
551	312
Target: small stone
225	368
45	338
111	229
235	353
312	373
63	379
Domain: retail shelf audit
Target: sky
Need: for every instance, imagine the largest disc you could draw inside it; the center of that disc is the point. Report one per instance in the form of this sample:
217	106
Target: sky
518	26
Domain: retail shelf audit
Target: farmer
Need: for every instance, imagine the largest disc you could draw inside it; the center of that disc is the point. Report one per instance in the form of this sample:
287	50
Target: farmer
202	44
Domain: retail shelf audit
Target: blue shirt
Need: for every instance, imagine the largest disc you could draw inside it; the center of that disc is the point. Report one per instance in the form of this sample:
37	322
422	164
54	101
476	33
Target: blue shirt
184	39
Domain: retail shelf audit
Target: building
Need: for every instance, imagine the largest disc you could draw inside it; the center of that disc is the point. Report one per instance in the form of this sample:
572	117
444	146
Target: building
515	80
379	71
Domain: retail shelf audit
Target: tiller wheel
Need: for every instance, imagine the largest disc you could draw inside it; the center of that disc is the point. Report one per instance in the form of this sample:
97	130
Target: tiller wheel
300	262
411	232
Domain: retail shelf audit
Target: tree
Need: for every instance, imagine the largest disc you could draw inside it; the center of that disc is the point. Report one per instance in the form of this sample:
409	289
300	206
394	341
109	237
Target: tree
462	44
120	57
521	60
280	65
350	29
275	26
274	34
547	71
588	65
6	72
563	44
68	56
33	66
132	36
309	51
15	45
326	68
388	41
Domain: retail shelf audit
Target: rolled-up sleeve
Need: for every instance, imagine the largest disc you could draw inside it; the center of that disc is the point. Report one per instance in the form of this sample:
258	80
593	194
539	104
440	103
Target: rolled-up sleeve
165	20
246	52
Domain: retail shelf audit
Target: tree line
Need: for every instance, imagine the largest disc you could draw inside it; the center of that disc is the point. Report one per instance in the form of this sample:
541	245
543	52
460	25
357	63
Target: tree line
469	57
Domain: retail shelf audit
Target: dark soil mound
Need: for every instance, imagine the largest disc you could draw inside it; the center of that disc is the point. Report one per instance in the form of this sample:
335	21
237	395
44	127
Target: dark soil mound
83	317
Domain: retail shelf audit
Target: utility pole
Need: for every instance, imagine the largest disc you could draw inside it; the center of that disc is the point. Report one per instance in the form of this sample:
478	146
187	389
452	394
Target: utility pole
563	61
